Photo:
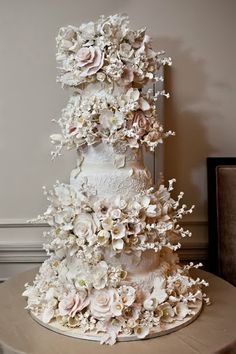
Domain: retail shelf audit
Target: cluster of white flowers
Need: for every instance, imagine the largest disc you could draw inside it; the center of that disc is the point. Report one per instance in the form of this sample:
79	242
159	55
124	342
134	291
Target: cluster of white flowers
98	114
107	50
60	292
79	288
86	224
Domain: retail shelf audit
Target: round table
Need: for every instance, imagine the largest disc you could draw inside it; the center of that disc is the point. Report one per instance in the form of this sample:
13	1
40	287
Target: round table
214	331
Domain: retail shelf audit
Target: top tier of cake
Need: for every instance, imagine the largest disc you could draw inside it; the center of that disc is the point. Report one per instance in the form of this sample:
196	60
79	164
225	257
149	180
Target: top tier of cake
108	64
106	50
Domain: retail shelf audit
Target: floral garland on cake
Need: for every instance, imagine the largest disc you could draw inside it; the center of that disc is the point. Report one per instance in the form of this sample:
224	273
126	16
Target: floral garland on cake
107	50
108	64
97	115
77	287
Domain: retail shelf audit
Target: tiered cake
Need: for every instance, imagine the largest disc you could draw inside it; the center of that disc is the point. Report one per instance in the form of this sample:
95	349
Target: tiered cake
112	271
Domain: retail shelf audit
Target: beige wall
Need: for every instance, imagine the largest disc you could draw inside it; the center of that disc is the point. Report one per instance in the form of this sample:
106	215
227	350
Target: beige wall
198	34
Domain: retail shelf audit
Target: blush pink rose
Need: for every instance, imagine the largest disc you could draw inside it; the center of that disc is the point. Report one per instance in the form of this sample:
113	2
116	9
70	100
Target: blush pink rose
72	304
138	121
90	59
101	302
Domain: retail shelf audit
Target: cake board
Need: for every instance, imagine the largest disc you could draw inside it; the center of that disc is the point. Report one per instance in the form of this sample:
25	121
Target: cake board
163	329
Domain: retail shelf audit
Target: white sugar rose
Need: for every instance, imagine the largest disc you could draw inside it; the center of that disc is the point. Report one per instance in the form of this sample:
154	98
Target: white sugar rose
90	59
85	226
101	302
73	303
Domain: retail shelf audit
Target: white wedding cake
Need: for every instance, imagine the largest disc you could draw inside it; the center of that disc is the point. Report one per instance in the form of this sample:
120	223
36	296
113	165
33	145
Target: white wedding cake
112	271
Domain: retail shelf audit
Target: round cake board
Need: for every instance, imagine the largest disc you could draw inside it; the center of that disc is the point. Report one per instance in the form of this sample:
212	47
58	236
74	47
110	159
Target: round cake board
163	329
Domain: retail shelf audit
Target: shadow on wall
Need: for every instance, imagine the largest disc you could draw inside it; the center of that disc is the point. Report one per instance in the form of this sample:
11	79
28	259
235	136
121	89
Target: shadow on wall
185	113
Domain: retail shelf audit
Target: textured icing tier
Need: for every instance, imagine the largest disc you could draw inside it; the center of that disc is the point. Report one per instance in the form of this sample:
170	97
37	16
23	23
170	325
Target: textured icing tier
111	173
142	269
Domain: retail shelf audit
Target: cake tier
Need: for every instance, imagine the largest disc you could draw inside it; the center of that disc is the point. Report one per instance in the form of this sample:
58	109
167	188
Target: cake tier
111	172
158	331
142	268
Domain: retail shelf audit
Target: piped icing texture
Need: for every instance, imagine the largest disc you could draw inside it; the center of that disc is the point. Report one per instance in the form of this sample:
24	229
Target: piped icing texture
111	172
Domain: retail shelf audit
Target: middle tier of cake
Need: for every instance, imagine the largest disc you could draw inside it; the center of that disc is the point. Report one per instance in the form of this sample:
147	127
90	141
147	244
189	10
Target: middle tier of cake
111	172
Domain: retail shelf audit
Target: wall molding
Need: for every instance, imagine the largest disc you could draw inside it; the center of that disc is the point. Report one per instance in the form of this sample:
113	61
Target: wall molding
34	253
22	252
20	224
21	245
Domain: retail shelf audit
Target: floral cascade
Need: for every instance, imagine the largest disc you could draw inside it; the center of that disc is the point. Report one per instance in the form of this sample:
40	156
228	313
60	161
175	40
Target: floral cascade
112	269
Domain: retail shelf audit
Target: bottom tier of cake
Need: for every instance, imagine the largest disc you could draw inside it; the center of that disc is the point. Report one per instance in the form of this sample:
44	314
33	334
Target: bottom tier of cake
160	330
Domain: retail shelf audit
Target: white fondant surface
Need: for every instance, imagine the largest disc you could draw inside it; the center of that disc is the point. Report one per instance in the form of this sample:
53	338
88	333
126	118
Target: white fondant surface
98	168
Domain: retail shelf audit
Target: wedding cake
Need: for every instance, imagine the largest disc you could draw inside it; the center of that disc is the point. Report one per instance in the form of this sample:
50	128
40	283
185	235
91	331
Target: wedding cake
112	271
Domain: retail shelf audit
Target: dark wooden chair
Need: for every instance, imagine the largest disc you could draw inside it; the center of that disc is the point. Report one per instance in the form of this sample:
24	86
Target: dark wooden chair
222	216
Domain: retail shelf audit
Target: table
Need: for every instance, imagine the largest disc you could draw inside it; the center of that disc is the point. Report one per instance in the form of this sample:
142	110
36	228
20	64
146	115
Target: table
213	332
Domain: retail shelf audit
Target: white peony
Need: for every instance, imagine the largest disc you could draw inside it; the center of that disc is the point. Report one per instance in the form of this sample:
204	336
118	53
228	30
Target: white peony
110	120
